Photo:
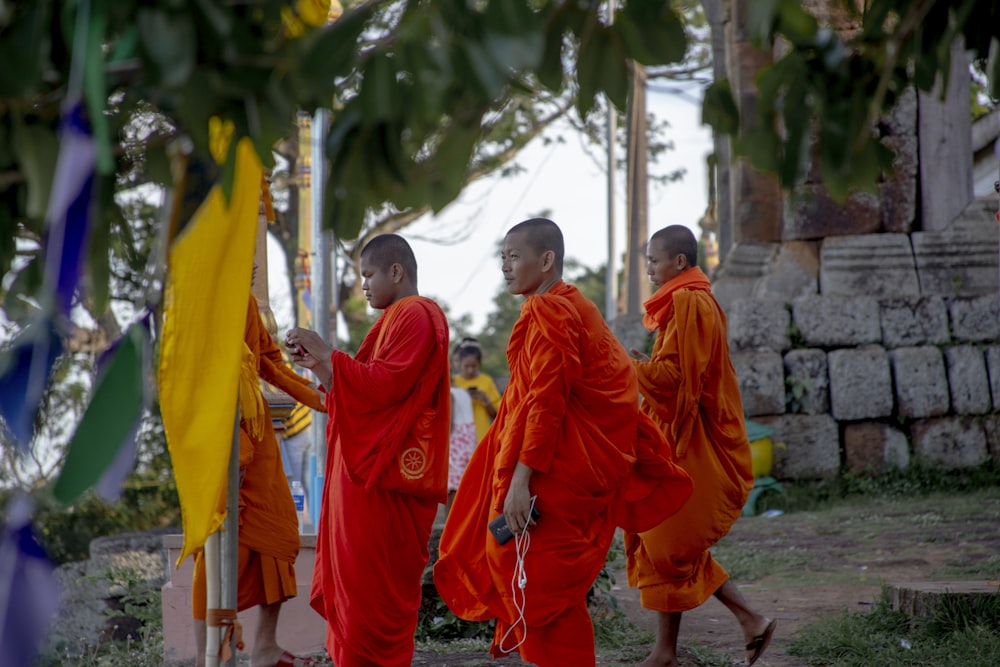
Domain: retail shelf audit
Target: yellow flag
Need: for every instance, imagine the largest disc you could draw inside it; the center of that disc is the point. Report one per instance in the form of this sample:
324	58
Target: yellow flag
203	326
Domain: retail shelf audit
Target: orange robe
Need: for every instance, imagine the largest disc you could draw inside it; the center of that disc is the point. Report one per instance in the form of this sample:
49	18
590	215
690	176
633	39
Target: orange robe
268	526
570	412
389	415
689	388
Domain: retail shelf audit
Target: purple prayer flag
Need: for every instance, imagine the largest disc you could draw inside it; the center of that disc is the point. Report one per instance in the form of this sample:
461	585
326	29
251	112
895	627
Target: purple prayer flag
29	590
24	373
68	216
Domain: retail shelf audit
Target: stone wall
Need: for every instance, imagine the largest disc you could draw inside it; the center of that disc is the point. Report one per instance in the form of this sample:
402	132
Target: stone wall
889	357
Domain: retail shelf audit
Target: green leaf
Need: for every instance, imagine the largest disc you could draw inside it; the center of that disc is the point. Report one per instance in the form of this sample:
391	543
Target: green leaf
23	49
110	419
98	262
380	95
652	32
451	161
761	144
511	18
169	42
796	24
761	19
718	108
476	65
330	52
37	149
589	67
550	70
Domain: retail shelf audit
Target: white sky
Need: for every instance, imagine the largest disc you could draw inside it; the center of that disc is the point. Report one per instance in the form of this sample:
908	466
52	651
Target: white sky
563	180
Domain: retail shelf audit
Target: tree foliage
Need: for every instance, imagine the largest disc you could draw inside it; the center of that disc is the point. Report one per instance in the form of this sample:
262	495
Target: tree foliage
835	87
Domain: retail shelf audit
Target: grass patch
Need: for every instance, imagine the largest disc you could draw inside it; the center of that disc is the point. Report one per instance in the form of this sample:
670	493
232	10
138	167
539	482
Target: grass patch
972	567
745	564
956	634
915	481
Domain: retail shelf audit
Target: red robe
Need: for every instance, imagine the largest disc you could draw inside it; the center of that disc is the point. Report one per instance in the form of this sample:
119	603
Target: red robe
689	388
391	400
570	412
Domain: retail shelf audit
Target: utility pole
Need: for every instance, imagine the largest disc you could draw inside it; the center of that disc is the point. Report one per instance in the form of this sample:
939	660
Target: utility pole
636	286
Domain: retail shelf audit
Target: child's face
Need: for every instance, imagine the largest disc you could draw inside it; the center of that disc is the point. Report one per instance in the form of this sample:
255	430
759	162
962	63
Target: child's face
468	367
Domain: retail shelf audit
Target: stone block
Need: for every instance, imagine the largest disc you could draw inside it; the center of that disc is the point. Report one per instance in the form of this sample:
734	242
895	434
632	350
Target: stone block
944	128
991	426
738	276
812	214
914	321
860	386
920	381
975	320
794	272
762	381
807	382
811	446
902	119
897	194
967	380
874	448
878	265
828	321
758	323
949	442
960	261
993	371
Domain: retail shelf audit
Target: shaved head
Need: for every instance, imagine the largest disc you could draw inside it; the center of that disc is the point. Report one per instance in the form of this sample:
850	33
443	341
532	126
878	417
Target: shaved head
678	240
387	249
542	234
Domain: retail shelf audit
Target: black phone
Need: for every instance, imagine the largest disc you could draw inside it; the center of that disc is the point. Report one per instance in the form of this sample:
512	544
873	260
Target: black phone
501	531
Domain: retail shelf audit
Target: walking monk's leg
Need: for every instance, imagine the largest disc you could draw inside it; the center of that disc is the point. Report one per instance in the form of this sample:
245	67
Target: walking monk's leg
757	629
664	653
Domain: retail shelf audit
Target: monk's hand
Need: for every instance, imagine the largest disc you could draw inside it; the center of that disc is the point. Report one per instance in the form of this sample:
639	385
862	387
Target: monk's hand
310	351
517	504
639	355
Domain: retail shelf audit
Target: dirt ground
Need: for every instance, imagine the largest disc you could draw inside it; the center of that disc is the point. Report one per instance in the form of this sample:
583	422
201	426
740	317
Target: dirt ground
800	568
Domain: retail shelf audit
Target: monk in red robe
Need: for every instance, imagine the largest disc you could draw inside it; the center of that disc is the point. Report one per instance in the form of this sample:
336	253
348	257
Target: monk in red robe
268	526
690	390
386	466
568	441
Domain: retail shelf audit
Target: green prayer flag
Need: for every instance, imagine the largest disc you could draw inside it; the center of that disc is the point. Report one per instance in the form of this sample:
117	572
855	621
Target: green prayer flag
110	420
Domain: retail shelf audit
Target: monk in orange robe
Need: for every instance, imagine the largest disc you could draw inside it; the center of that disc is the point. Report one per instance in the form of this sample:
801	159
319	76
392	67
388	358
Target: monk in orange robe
690	390
268	526
568	441
386	466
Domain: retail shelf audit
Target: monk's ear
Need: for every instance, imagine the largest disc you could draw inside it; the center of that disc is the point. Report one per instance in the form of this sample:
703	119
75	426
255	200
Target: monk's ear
548	260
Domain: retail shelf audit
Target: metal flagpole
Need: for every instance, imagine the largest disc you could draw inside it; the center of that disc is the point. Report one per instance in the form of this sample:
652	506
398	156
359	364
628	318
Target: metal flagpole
320	278
611	275
229	552
212	632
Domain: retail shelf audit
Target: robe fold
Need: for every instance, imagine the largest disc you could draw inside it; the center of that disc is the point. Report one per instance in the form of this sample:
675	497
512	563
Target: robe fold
570	412
268	525
389	406
689	388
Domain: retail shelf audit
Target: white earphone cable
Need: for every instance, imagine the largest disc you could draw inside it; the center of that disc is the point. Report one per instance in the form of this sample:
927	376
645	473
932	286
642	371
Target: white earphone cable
519	582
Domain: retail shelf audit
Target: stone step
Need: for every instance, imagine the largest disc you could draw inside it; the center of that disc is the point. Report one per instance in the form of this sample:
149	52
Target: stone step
921	599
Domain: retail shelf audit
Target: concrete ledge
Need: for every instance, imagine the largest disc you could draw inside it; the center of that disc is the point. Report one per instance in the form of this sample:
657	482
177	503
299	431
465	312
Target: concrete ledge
300	629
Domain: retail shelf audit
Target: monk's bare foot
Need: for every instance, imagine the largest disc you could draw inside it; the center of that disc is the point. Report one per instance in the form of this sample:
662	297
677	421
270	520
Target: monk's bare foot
758	638
280	658
659	659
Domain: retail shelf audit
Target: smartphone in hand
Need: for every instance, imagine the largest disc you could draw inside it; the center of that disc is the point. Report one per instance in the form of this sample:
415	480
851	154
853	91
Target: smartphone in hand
501	531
